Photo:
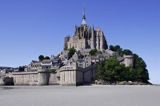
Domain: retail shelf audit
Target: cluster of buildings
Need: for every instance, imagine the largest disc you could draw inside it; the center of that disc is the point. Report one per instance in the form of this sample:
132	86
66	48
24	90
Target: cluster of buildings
75	70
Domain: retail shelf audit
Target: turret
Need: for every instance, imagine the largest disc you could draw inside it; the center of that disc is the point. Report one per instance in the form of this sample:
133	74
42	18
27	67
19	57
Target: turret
128	60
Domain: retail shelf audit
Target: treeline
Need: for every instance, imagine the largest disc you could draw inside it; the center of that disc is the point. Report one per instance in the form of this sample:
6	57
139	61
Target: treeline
112	71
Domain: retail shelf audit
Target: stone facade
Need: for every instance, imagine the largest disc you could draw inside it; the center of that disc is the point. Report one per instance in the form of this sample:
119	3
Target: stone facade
34	78
53	63
128	60
74	75
34	66
68	76
86	37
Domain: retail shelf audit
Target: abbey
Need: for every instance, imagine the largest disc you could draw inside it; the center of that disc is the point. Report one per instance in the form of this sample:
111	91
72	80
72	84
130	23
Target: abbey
66	69
86	37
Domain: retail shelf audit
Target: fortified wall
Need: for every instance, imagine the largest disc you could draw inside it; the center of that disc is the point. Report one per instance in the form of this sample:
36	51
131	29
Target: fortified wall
77	76
34	78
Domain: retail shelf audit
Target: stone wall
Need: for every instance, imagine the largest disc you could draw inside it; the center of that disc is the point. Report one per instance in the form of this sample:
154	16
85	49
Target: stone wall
34	78
68	77
65	76
1	81
43	78
53	79
89	74
25	78
87	77
79	76
128	60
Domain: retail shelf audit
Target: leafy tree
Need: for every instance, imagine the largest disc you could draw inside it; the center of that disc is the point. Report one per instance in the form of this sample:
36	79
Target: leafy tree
71	52
21	68
47	58
117	49
112	71
93	52
120	51
140	69
127	52
41	57
139	62
114	48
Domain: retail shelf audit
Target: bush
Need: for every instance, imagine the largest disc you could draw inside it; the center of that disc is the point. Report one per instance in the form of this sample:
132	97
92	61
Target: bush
71	52
93	52
52	71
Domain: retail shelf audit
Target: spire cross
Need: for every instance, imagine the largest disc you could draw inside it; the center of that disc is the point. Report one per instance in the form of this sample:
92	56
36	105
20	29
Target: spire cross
84	18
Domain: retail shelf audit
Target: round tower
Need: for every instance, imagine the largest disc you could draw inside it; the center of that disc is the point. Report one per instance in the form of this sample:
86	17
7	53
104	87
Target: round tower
128	60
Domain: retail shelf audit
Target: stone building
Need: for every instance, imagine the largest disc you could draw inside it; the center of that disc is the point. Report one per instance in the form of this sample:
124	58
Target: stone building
128	60
76	70
86	37
34	66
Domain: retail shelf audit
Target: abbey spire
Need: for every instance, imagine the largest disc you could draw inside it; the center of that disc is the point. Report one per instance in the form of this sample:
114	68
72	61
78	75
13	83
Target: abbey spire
84	19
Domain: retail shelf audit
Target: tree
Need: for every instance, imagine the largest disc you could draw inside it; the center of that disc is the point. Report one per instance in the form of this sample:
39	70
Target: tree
127	52
71	52
140	69
47	58
117	49
139	62
21	68
93	52
112	71
41	57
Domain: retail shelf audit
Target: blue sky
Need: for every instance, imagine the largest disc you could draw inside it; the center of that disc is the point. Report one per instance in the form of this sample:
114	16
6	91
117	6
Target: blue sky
29	28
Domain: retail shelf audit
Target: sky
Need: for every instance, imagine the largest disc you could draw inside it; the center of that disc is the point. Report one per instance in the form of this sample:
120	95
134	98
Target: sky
29	28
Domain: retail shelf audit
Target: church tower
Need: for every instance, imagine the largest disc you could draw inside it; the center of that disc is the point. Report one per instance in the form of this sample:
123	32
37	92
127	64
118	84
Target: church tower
86	37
